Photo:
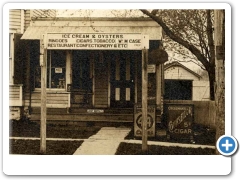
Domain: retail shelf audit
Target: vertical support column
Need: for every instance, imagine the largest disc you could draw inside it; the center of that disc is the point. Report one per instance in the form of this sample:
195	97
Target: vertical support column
69	74
93	77
144	99
136	78
68	68
162	86
43	59
158	86
109	80
21	95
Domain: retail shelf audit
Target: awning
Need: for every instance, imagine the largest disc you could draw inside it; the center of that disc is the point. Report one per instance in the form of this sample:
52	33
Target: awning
35	32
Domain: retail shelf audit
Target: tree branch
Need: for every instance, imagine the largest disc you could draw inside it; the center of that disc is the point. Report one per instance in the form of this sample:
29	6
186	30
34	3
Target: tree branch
177	39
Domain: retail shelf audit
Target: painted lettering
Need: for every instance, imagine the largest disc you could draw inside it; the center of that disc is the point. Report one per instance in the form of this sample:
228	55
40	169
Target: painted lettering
181	131
80	35
134	40
65	35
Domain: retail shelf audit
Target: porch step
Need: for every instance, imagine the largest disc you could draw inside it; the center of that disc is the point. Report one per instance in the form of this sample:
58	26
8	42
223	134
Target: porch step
86	117
81	114
102	110
37	110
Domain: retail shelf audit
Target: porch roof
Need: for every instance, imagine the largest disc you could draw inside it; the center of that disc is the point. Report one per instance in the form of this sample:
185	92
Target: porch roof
101	25
35	32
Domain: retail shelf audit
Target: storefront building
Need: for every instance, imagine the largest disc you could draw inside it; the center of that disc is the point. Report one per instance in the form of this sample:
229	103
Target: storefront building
94	67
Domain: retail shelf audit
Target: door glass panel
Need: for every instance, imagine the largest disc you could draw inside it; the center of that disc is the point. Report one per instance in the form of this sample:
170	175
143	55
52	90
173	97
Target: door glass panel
128	94
117	94
117	69
127	69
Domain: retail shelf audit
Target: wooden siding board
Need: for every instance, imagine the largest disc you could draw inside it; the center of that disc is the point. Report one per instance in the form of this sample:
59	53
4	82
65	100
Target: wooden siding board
179	73
53	99
15	19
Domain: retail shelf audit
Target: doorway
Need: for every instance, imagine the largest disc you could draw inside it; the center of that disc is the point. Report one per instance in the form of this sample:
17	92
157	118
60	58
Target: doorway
81	90
122	79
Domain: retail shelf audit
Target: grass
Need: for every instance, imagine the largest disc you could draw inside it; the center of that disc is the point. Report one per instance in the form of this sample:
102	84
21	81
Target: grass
32	147
32	129
136	149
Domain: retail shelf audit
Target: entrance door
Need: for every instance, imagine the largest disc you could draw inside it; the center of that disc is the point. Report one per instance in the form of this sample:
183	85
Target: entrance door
122	79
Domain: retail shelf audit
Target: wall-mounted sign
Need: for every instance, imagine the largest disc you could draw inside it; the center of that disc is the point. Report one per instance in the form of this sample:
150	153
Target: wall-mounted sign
150	121
179	120
151	68
95	111
105	41
58	70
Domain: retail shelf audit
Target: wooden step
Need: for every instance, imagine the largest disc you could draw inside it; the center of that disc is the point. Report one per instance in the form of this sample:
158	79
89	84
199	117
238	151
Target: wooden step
37	110
86	117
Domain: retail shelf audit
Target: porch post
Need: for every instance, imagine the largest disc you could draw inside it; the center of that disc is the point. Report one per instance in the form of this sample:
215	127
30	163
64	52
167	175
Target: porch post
158	85
144	99
43	58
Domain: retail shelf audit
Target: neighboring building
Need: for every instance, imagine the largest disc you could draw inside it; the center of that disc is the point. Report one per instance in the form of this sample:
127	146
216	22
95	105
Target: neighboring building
184	86
181	83
19	21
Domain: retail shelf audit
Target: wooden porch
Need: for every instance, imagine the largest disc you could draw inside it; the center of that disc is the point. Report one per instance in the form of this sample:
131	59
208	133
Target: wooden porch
84	114
98	115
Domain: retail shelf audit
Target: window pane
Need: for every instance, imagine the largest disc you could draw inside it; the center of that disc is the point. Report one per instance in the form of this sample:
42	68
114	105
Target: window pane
128	94
56	69
58	78
117	94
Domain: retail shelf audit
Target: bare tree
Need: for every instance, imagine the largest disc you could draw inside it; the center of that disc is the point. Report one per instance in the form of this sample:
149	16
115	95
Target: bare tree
190	34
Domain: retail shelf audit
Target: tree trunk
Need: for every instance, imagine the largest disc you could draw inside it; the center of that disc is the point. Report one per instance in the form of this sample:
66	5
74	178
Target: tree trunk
211	75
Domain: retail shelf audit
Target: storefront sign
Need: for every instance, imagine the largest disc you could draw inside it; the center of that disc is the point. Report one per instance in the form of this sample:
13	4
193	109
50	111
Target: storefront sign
180	119
150	121
104	41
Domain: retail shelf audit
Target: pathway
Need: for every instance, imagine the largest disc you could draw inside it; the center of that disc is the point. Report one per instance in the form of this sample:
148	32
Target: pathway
105	142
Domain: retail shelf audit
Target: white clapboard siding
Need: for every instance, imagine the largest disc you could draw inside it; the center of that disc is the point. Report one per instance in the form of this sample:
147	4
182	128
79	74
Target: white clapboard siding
27	19
177	72
54	99
15	20
201	91
15	95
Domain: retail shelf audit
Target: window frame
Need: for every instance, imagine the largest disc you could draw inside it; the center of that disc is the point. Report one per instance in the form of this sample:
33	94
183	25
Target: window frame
49	74
11	58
